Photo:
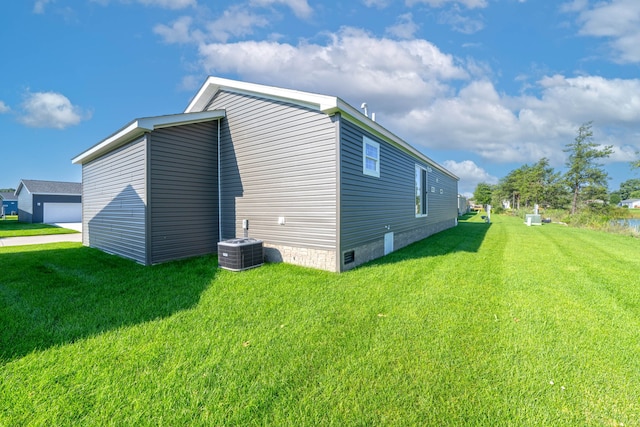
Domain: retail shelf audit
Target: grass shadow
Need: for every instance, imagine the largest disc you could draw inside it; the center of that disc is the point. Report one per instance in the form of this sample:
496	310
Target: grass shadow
465	237
59	293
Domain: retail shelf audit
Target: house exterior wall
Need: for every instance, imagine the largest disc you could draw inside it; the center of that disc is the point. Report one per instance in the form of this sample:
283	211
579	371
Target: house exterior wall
9	206
278	164
374	206
631	203
463	205
25	205
183	191
114	201
40	199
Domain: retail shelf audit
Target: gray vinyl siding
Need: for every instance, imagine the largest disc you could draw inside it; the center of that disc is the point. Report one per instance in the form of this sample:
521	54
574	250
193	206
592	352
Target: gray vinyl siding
277	160
370	204
183	191
114	201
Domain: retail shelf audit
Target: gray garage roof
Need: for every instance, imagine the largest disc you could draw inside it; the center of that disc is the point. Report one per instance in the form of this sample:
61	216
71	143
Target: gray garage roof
50	187
8	196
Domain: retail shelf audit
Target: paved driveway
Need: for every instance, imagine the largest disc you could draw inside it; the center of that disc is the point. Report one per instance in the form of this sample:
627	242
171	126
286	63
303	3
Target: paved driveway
49	238
38	240
70	225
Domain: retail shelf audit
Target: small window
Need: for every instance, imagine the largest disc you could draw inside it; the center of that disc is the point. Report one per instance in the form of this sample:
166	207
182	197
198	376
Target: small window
421	191
370	157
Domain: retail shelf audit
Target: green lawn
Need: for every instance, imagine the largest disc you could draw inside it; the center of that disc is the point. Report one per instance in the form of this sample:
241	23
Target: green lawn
13	228
482	325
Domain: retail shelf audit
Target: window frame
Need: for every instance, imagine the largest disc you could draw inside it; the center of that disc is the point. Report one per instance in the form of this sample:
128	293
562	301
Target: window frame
421	183
365	156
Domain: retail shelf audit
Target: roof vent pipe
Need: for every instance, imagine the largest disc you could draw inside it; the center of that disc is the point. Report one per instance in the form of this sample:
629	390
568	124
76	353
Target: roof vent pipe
373	116
364	107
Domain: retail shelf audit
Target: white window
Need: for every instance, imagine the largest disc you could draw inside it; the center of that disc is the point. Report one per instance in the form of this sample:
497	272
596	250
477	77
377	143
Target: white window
421	191
370	157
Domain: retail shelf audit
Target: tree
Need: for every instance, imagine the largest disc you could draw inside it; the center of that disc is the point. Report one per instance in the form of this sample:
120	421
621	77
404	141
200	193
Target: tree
628	187
530	185
614	197
7	190
482	194
583	170
636	163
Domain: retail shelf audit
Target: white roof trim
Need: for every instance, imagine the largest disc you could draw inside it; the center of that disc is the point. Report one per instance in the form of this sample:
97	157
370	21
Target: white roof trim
327	104
214	84
141	126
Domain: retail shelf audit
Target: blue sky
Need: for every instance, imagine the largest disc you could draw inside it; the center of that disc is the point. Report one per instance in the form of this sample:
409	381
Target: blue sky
480	86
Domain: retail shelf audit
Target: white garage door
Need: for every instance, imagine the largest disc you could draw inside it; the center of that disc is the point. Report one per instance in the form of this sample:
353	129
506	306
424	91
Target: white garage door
62	212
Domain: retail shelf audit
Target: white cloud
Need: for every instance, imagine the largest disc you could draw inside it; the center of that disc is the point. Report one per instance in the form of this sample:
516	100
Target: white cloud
380	4
169	4
235	21
574	6
470	175
39	6
50	110
299	7
191	83
460	23
616	20
4	108
405	28
503	129
165	4
178	32
579	99
471	4
352	64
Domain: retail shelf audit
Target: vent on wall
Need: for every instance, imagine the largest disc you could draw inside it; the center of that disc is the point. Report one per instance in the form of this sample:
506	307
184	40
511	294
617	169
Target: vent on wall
349	257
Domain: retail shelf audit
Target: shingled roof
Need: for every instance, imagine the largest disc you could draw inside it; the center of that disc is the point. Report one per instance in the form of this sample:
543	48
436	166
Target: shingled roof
50	187
8	195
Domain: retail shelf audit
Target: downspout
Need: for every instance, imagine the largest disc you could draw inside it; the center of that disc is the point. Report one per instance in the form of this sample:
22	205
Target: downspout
219	189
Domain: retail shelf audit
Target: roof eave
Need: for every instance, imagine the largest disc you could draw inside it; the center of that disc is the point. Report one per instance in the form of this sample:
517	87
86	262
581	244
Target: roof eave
141	126
213	85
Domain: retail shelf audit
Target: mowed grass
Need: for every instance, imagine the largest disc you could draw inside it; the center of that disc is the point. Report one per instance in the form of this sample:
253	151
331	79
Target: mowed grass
13	228
487	325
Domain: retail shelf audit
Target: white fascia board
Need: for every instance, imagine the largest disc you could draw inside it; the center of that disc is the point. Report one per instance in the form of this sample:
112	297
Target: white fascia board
214	84
140	126
20	187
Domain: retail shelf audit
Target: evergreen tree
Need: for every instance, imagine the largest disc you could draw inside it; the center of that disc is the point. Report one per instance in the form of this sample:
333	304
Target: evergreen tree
584	173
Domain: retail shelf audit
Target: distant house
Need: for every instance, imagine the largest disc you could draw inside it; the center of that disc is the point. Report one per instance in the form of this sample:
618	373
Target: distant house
463	205
631	203
49	201
319	182
9	203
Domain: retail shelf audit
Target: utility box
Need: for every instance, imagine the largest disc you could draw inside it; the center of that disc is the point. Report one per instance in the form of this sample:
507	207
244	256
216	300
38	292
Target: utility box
533	219
240	254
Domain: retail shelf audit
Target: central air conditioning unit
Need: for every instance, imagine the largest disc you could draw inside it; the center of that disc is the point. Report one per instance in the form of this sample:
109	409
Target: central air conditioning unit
240	254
